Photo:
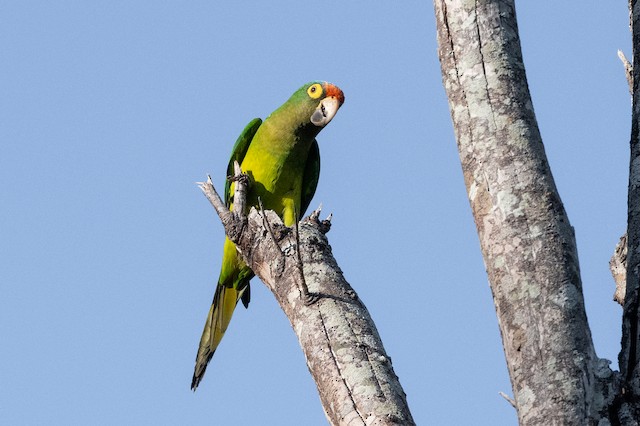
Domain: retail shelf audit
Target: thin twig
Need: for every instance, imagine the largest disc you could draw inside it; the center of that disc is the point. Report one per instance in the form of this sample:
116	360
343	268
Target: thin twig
628	70
268	225
307	297
212	195
509	399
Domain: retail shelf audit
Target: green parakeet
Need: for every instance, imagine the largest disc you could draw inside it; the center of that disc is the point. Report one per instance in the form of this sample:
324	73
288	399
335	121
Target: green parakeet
282	159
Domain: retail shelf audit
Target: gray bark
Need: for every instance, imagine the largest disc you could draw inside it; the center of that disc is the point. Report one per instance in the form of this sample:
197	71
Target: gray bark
527	242
630	353
344	353
618	268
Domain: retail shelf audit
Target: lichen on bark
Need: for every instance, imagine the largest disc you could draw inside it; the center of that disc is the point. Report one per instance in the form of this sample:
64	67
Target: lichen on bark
344	353
527	242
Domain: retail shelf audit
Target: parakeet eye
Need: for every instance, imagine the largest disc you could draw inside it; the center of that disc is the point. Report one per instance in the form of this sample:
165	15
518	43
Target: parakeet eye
315	91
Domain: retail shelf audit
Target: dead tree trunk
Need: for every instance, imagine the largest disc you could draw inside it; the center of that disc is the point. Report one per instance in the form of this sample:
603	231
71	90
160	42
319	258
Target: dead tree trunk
630	353
527	242
344	353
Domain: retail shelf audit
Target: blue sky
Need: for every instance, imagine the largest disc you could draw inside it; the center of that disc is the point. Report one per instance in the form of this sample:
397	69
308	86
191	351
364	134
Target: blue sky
110	111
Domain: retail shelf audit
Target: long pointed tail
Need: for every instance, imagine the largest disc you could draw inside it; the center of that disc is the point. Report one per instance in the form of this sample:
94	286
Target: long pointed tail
224	303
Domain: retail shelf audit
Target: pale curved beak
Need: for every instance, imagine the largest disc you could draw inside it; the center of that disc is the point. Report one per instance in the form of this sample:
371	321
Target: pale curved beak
325	111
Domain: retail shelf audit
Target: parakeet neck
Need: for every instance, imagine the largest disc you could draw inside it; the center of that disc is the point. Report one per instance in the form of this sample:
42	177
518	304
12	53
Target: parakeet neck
292	130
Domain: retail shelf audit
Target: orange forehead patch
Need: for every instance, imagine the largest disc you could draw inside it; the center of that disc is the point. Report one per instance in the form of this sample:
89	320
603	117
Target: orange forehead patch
332	90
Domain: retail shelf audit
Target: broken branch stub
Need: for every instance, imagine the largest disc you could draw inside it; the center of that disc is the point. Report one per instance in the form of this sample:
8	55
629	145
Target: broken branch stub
342	347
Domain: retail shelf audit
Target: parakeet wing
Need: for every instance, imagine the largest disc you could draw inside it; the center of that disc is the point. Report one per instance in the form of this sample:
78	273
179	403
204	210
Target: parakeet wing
238	153
310	178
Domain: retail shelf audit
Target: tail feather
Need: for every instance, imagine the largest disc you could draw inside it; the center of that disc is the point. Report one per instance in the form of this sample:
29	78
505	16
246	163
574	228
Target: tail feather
220	313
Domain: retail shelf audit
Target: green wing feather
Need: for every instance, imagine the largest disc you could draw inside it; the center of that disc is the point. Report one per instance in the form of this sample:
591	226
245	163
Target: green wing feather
232	287
238	152
289	133
310	178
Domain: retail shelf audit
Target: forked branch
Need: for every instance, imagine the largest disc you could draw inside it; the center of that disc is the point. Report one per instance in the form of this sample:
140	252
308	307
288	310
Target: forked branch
344	353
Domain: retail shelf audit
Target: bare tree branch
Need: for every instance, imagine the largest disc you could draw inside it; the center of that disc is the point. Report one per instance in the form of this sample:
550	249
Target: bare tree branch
630	353
526	239
344	353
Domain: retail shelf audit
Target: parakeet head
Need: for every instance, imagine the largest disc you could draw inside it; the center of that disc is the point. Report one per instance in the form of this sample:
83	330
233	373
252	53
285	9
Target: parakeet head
329	99
317	103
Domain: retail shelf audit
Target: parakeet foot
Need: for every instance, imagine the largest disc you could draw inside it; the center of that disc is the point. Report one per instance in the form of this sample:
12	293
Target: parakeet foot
241	178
